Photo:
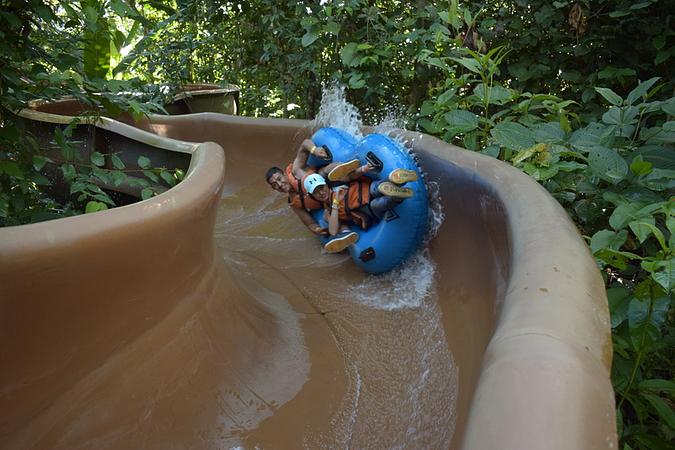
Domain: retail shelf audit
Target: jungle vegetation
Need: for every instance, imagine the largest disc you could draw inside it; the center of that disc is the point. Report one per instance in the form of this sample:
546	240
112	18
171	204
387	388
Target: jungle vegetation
577	94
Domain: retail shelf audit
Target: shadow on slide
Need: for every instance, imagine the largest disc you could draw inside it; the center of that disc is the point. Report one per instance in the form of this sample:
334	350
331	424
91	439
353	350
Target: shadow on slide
208	317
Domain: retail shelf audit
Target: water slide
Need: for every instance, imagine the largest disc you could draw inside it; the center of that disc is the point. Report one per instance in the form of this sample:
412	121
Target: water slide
207	317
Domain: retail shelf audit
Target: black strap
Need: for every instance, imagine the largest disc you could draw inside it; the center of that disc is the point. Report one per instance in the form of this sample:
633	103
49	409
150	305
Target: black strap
346	202
360	193
300	190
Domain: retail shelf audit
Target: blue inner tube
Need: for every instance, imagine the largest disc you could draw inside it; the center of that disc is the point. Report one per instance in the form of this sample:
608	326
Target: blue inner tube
392	240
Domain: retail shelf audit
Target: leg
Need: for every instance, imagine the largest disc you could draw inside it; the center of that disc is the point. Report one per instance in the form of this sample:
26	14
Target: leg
340	171
342	240
380	203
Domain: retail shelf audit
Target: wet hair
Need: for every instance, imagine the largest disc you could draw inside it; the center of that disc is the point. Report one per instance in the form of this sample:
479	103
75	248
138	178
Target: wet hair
271	171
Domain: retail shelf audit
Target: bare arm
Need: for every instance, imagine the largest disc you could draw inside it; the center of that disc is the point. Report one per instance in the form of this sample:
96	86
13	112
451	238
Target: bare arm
334	220
300	163
361	171
355	175
307	219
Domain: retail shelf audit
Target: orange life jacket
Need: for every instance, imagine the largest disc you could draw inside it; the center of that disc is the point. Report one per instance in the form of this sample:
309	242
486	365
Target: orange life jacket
357	196
299	198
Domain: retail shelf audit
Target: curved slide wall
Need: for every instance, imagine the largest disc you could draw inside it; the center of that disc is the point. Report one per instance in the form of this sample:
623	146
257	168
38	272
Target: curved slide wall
206	317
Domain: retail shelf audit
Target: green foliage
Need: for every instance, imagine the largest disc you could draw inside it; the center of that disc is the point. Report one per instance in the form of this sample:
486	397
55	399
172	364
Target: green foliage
49	50
39	184
615	175
551	87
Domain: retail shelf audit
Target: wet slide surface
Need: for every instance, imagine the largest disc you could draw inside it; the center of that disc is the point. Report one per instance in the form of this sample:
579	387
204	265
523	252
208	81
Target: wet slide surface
208	317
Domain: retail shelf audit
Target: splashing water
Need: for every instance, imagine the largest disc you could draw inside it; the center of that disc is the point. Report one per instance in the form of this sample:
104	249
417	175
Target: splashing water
409	284
404	287
336	111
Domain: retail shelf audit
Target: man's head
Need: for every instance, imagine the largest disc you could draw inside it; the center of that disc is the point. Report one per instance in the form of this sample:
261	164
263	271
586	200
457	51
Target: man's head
316	186
277	180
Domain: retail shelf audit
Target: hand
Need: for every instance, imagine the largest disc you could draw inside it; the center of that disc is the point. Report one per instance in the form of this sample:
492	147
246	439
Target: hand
367	168
319	230
319	152
340	193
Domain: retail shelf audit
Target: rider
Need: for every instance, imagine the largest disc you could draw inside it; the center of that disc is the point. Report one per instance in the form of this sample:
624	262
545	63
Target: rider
361	201
291	181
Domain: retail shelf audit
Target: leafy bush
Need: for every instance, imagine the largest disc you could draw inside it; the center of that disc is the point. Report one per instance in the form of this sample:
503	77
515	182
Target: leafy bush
615	175
49	51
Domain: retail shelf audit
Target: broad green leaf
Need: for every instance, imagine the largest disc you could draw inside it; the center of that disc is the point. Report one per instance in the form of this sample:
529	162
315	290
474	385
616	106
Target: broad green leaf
12	169
348	55
657	385
167	177
446	96
118	178
356	81
640	90
96	38
669	126
608	239
471	64
39	162
618	298
540	173
436	62
631	211
550	132
663	272
640	323
117	162
460	121
146	193
78	186
616	258
523	155
607	164
513	135
428	108
615	72
646	229
102	175
491	150
309	37
620	116
609	95
570	166
94	206
144	162
659	180
496	95
332	27
639	166
151	176
665	412
105	199
668	106
68	171
97	159
586	138
428	126
641	228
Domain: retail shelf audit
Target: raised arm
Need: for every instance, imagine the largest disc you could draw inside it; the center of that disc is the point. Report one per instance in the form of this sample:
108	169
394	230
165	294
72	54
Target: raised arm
351	176
300	163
